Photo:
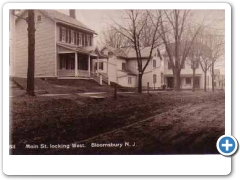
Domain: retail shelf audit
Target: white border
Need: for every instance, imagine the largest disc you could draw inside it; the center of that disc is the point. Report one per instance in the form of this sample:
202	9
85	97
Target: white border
115	165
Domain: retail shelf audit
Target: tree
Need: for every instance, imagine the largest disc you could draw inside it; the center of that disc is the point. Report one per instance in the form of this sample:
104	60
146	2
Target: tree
114	39
31	53
133	27
178	38
205	57
194	58
216	44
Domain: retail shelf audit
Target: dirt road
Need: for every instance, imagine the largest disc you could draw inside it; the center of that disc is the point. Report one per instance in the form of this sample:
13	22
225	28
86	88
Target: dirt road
189	129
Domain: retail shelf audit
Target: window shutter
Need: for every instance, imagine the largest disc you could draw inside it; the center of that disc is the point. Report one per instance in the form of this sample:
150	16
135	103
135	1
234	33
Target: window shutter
83	40
61	62
66	35
60	33
70	36
77	38
91	39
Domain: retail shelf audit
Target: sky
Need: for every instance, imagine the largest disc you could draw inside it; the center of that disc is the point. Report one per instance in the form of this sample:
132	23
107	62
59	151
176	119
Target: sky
98	20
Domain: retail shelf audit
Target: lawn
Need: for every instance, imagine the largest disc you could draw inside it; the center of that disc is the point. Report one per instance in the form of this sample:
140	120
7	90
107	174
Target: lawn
61	86
178	119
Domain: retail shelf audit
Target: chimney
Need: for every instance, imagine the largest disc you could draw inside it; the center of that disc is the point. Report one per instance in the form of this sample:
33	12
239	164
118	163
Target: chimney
72	13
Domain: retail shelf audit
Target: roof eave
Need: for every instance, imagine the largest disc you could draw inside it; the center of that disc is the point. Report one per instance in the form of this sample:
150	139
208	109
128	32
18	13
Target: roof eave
73	25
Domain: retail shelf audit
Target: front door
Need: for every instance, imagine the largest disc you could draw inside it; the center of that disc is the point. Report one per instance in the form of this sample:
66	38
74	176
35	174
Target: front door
197	82
170	82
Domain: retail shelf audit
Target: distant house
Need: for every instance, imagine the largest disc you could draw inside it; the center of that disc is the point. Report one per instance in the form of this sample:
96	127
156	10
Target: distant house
219	79
121	67
63	46
186	74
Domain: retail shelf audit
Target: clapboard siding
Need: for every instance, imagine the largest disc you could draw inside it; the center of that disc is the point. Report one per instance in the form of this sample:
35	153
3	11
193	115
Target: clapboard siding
45	47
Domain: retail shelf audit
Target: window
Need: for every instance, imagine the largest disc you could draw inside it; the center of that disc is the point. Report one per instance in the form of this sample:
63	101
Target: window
83	40
124	68
154	64
101	65
88	40
195	64
80	39
72	37
183	67
62	34
39	18
169	65
67	35
129	80
110	54
71	58
91	41
62	62
188	80
154	79
162	78
75	37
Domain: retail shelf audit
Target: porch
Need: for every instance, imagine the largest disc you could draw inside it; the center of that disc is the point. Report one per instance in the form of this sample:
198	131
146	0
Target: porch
79	63
75	65
186	81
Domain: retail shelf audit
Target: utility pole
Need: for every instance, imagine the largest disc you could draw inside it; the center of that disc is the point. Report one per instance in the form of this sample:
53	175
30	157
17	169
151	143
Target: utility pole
31	53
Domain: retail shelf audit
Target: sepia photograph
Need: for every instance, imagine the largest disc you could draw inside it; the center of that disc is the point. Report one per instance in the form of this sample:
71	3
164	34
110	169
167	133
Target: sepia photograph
116	81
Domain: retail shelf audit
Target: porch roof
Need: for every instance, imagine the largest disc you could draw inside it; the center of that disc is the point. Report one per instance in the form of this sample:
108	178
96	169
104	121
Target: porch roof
89	50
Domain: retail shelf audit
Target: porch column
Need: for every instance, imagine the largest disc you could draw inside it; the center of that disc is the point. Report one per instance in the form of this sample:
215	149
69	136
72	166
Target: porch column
108	71
89	64
76	64
97	65
107	65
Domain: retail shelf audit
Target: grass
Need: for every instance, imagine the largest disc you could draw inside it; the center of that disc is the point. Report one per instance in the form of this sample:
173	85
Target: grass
36	120
62	86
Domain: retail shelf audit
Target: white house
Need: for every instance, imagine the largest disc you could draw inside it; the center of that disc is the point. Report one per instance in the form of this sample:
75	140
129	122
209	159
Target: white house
63	46
121	67
186	74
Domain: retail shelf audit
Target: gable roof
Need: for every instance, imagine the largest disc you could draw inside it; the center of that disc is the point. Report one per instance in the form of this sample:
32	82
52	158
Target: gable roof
64	19
128	53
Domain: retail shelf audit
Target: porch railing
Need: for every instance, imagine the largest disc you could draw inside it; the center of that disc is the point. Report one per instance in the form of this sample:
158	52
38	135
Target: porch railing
71	73
66	72
95	77
83	73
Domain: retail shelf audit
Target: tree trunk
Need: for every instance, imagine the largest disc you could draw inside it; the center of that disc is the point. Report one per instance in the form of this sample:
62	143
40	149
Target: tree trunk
193	77
205	81
213	88
177	80
139	83
31	52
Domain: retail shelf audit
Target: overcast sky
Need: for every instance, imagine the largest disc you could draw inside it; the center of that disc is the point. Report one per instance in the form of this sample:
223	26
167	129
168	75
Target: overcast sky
98	20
